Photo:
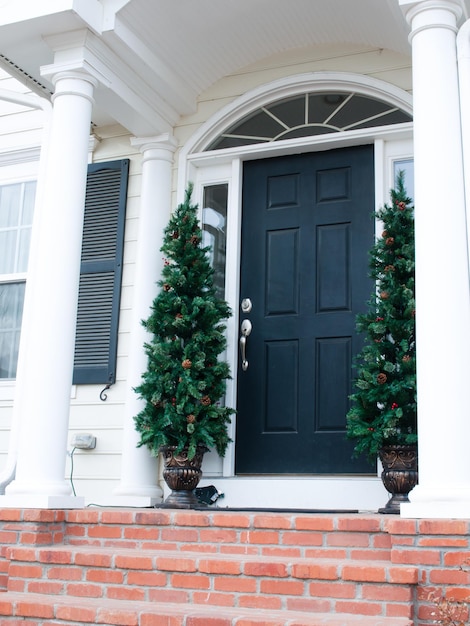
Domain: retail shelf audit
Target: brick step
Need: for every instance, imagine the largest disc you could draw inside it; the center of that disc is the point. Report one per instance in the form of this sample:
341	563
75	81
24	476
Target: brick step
438	548
36	610
275	582
294	534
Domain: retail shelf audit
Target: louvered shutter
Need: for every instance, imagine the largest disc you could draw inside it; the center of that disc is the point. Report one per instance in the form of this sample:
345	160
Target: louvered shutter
101	273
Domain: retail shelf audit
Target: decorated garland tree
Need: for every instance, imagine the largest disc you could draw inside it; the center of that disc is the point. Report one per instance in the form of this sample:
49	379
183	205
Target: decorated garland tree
384	404
185	381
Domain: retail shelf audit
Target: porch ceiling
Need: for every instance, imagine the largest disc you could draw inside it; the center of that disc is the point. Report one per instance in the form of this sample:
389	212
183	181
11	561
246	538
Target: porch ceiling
205	40
167	52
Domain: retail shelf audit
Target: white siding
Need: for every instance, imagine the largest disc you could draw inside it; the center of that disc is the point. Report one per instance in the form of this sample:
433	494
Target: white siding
20	127
96	472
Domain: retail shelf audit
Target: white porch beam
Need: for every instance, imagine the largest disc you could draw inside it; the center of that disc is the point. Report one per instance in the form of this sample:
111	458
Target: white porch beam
121	91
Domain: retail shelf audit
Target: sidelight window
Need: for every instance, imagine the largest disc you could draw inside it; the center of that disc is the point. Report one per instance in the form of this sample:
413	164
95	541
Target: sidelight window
214	229
406	166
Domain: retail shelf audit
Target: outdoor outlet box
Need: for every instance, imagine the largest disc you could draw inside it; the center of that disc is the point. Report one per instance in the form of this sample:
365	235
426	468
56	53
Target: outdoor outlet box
84	441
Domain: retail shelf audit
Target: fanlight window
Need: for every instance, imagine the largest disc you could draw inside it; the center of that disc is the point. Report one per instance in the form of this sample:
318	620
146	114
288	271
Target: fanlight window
307	115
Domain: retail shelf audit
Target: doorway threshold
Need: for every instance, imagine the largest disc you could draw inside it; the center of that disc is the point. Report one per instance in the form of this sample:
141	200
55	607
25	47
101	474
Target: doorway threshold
275	510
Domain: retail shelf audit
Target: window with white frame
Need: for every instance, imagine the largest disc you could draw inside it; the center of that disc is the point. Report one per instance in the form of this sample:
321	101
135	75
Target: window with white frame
407	167
16	217
214	231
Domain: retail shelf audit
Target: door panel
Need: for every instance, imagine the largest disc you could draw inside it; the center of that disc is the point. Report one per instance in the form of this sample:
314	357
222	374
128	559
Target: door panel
307	228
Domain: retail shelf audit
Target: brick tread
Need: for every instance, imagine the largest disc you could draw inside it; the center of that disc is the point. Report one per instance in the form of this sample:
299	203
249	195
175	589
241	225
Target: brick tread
341	536
293	564
33	607
297	584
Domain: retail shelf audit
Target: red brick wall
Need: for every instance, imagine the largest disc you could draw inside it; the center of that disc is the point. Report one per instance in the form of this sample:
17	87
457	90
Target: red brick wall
440	549
399	564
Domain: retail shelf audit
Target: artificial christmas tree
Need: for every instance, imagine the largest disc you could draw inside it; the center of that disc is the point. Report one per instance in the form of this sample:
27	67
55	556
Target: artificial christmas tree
184	384
383	411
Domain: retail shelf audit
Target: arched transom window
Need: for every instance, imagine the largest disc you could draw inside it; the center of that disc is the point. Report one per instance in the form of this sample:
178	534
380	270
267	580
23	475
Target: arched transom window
309	114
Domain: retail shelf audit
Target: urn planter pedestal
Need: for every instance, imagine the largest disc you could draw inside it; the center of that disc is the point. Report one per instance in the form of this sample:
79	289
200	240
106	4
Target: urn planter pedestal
182	475
399	475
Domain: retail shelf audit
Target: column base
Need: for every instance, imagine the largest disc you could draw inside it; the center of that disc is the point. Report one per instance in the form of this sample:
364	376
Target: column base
130	501
436	510
41	501
438	501
130	489
132	495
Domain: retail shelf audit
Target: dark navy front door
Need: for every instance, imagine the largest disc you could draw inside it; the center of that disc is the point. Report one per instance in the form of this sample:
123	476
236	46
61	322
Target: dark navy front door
307	229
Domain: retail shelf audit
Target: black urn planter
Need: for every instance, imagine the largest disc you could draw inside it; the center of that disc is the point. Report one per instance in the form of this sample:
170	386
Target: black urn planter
182	476
399	475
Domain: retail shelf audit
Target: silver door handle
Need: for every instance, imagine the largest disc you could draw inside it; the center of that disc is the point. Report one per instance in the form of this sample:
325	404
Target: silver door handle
246	329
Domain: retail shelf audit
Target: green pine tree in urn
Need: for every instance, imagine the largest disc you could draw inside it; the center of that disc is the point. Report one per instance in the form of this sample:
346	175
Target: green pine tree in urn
184	385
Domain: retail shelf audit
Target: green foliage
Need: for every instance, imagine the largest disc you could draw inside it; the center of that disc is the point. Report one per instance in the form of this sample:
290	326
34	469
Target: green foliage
185	381
384	406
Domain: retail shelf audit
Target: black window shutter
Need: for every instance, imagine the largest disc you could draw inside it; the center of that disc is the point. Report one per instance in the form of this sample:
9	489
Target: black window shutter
101	273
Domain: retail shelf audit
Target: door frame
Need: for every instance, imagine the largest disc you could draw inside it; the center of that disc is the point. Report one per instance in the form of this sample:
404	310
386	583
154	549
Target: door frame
391	143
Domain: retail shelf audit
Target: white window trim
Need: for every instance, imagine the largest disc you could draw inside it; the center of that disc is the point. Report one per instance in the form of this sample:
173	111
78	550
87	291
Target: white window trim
15	173
386	152
22	164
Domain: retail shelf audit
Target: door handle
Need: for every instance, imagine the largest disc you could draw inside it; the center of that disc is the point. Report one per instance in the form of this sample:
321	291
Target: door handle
246	329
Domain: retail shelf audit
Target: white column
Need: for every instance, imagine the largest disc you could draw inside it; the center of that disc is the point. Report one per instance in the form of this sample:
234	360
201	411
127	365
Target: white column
51	304
463	54
139	470
442	270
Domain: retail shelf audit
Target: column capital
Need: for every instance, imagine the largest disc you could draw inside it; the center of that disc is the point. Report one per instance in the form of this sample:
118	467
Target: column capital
93	142
158	147
432	13
74	83
56	72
